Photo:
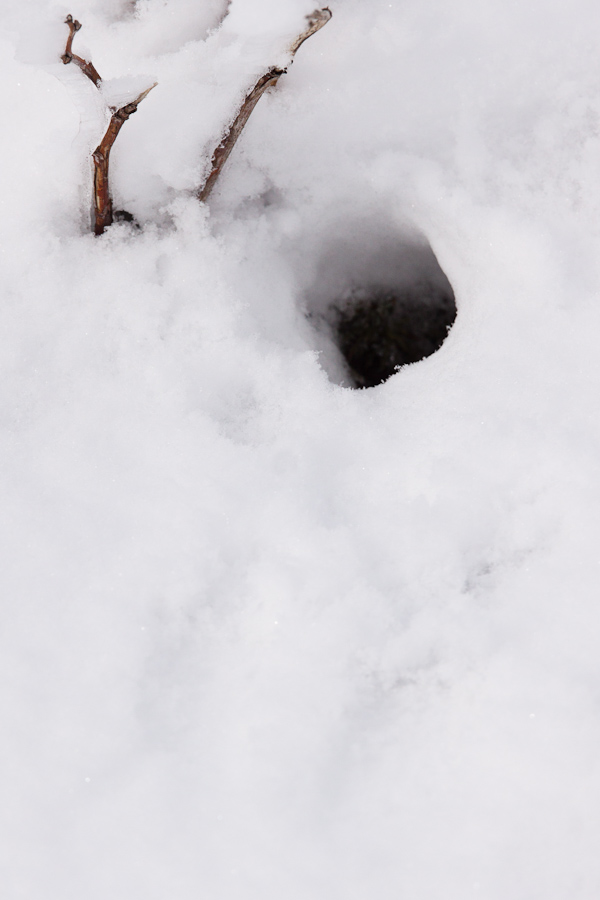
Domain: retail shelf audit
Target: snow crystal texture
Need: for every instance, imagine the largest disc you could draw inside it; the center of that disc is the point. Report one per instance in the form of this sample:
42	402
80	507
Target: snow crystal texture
265	637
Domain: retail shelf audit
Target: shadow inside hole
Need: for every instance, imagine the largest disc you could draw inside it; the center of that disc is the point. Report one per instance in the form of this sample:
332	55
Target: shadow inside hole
378	330
384	302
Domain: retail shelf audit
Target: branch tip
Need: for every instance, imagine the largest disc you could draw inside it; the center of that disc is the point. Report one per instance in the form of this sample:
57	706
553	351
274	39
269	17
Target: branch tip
68	56
315	21
72	22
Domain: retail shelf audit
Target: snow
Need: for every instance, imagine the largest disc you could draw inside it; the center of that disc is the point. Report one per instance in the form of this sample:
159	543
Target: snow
119	92
263	635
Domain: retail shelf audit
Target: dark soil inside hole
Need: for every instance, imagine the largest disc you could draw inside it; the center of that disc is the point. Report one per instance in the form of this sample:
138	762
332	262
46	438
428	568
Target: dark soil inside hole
378	330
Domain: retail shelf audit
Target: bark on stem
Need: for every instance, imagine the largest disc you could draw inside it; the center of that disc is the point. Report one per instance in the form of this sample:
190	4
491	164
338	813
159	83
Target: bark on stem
315	22
103	208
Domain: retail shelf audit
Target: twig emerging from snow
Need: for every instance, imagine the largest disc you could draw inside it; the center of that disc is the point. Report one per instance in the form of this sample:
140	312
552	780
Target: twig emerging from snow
315	22
103	208
221	154
103	211
68	56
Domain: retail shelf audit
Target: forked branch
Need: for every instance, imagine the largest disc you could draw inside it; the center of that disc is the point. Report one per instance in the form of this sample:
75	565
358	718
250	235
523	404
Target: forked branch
315	22
103	211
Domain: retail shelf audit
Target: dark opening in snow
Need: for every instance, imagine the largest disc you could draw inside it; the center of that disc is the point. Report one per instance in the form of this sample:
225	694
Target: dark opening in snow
383	300
379	329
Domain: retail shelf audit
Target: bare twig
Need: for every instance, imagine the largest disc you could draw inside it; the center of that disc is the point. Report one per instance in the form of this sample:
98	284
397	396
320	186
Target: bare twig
103	209
315	22
68	56
223	151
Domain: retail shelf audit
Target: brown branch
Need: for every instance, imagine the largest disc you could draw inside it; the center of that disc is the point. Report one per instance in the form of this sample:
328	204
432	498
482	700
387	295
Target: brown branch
223	151
68	56
103	209
315	22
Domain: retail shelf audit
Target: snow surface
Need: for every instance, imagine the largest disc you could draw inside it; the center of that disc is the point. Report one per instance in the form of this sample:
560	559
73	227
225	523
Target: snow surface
264	636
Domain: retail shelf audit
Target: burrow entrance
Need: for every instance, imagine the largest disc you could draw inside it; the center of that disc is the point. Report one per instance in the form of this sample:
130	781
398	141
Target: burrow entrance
381	300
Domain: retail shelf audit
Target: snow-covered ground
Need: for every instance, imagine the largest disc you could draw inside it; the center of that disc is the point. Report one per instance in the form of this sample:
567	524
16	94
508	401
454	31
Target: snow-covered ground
264	637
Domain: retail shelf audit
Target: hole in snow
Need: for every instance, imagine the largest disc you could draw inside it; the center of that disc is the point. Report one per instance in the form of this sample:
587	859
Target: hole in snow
380	297
380	329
